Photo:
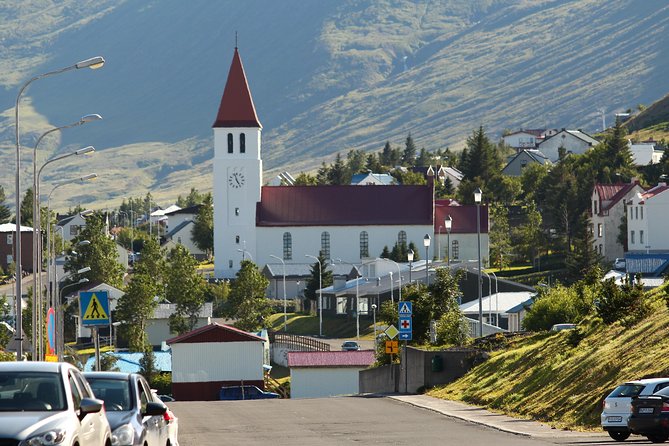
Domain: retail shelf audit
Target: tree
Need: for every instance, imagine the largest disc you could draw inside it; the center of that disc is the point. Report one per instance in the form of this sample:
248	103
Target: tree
138	303
584	258
424	158
316	277
339	174
147	365
185	288
203	226
27	208
100	254
500	240
193	198
304	179
385	157
482	159
108	362
5	213
247	303
355	161
529	236
409	154
372	164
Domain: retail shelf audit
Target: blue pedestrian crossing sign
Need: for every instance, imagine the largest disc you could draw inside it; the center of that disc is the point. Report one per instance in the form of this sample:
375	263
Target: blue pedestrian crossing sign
404	308
94	308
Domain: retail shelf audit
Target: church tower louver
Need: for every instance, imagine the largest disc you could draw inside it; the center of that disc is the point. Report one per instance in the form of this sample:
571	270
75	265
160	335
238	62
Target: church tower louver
237	173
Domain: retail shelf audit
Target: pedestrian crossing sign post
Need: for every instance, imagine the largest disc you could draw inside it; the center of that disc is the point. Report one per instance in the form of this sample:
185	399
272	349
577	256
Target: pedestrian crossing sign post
94	308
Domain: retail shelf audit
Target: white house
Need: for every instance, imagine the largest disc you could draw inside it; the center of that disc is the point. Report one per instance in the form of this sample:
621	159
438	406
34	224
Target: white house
606	213
158	327
496	306
182	235
293	222
323	374
571	141
646	219
213	356
645	153
518	162
524	139
71	226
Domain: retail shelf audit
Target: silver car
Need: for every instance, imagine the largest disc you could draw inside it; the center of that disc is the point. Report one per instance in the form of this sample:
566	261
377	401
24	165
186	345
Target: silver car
618	405
136	416
49	403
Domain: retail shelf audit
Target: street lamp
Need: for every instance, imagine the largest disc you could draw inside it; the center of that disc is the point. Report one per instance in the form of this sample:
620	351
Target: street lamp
244	252
374	316
448	223
410	259
399	276
93	63
320	294
477	198
285	316
37	225
426	243
357	299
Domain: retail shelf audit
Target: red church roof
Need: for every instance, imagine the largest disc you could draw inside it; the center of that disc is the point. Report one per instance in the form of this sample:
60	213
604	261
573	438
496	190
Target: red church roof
237	109
464	218
344	205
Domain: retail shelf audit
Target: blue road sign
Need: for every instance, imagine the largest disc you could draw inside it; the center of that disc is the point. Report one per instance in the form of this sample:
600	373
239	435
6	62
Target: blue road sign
405	324
94	308
405	336
404	308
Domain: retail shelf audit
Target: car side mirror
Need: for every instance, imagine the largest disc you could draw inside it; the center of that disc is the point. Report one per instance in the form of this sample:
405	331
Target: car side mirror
154	409
89	405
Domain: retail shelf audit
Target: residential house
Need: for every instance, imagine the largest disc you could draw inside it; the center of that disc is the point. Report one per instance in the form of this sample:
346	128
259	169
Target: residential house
452	174
567	141
524	139
181	234
7	246
645	153
522	159
647	237
180	215
606	216
158	327
372	179
496	305
70	226
515	315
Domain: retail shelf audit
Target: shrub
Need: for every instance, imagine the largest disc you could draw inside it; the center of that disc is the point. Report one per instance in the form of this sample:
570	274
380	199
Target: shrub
558	305
626	303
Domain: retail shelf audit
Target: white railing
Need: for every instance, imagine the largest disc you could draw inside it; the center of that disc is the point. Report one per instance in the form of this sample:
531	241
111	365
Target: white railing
487	328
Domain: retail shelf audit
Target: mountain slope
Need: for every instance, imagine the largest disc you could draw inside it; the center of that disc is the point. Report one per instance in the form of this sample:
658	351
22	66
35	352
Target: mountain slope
325	76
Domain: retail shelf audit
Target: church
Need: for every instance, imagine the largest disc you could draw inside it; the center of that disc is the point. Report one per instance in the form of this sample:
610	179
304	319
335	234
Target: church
293	223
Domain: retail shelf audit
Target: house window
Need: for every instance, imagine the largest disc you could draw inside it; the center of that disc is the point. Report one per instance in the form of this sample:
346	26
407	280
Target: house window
363	306
341	305
455	250
229	142
229	263
600	230
237	239
632	237
641	236
179	240
402	238
364	244
74	230
600	249
636	213
287	246
523	164
594	207
325	244
237	212
10	239
242	143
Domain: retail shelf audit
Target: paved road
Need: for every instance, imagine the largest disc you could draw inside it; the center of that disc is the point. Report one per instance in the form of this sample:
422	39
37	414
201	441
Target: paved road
344	420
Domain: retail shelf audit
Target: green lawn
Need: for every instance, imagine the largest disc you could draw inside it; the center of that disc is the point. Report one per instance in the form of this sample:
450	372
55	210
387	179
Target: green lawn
333	327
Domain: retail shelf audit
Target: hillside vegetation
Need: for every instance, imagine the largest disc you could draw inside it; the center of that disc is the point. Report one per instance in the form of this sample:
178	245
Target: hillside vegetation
561	378
325	77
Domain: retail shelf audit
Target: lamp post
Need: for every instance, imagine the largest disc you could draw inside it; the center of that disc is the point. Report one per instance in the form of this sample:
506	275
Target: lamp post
438	253
37	223
374	316
320	294
426	243
448	223
244	253
357	299
94	62
285	316
477	198
399	276
410	259
37	229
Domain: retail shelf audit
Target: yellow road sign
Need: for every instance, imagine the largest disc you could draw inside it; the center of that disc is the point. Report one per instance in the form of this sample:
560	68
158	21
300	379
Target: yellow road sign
392	347
95	311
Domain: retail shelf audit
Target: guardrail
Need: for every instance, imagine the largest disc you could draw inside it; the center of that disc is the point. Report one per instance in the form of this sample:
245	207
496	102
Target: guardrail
298	343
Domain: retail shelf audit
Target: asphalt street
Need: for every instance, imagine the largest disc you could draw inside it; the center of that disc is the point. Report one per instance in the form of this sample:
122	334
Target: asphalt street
405	420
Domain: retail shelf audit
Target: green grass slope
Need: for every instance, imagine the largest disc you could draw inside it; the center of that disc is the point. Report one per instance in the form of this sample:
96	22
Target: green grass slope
561	378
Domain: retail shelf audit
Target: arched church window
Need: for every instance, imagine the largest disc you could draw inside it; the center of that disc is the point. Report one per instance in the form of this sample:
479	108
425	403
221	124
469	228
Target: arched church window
364	244
229	142
325	244
287	246
242	143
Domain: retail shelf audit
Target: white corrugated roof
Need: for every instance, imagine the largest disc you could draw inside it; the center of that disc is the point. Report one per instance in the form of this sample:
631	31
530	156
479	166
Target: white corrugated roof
11	227
497	303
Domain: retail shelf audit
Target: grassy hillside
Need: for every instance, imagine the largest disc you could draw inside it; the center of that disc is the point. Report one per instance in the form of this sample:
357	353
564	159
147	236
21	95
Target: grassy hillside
325	76
561	378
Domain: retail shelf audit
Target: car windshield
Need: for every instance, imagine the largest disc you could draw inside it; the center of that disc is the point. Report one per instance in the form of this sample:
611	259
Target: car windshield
114	392
31	391
627	391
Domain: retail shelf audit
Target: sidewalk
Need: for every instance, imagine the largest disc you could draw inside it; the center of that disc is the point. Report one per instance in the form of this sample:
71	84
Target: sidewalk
478	415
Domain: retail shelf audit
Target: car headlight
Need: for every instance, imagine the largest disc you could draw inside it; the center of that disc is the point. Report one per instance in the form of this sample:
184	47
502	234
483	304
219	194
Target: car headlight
49	438
123	435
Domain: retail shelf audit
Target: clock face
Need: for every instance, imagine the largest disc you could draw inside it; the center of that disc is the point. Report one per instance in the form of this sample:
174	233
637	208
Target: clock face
236	180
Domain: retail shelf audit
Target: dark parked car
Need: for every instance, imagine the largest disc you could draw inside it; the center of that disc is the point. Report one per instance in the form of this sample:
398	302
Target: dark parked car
245	393
135	416
350	346
650	416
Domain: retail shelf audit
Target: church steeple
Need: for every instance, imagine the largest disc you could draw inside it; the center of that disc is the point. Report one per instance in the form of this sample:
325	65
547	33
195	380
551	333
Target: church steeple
237	109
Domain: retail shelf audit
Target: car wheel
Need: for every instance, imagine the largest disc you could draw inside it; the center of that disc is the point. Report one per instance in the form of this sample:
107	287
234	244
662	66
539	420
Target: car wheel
658	438
619	436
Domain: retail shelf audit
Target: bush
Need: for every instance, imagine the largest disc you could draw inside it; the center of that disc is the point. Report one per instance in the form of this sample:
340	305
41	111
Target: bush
626	303
558	305
162	382
452	329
